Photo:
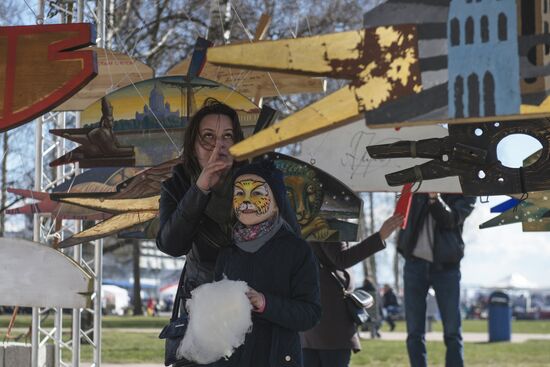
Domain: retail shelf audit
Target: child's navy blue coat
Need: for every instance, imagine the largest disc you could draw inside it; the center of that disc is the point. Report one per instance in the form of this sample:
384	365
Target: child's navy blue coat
286	272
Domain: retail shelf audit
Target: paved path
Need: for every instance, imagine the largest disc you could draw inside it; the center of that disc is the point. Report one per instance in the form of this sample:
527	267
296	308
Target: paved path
468	337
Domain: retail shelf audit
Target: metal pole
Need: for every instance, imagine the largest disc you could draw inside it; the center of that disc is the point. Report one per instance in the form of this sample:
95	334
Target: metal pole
58	321
80	11
36	234
97	301
98	254
41	7
77	250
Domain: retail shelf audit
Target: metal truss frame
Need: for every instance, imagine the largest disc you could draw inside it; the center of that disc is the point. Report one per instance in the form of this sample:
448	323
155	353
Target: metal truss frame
48	232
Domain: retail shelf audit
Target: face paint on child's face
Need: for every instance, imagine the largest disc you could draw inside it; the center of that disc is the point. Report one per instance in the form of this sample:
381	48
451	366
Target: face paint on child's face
253	200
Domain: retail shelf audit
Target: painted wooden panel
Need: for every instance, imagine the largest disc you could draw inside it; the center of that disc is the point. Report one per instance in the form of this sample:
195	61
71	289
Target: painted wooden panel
381	63
255	84
116	205
115	70
96	180
40	67
342	153
479	61
143	124
110	227
35	275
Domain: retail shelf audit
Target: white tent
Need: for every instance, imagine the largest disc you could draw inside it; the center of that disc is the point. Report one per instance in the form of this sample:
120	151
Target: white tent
114	299
169	292
515	281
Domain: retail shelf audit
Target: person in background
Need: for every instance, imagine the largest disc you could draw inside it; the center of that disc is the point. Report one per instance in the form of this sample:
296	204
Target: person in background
330	343
391	306
432	246
375	312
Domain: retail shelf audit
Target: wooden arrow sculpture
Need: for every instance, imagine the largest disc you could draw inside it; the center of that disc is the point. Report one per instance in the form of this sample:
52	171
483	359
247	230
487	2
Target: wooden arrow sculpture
40	69
381	63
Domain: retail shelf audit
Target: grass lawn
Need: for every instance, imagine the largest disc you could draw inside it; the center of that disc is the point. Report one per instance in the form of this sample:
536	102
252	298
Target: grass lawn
127	347
471	326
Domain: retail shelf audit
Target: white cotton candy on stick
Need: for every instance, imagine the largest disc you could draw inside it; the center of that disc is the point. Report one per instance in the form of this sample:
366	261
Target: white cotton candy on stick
219	318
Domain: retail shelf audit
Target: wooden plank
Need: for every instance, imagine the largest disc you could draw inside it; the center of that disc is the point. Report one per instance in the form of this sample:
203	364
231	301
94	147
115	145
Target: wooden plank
116	205
110	227
35	275
40	69
261	28
115	70
253	83
341	153
381	63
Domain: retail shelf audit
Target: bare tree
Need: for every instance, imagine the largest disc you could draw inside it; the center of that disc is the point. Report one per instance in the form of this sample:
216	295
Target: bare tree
138	307
4	182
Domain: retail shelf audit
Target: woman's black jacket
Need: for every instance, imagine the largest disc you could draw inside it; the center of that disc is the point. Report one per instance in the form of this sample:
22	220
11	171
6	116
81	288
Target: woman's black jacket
187	227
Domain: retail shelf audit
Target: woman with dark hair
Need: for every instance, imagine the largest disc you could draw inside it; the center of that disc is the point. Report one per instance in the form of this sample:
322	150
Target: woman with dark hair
195	204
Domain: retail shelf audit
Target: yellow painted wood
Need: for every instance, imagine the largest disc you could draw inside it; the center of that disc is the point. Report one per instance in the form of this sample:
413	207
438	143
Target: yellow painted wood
338	108
255	83
306	55
117	205
117	223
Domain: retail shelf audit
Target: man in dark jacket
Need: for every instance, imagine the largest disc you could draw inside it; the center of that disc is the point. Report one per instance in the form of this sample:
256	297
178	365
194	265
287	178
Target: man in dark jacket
433	247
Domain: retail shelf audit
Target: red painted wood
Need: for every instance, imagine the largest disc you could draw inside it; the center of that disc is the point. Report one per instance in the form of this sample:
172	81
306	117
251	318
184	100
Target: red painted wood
66	49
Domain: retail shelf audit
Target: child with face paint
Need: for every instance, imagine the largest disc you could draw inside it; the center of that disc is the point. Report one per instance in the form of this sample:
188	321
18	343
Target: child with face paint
278	266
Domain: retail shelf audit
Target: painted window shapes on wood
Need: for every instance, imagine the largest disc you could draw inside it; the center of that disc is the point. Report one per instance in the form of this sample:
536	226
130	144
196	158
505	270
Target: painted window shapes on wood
459	95
473	95
489	94
469	31
484	29
455	32
502	27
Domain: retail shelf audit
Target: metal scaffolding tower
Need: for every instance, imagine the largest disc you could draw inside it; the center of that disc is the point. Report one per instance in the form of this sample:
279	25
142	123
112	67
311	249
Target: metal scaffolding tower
48	231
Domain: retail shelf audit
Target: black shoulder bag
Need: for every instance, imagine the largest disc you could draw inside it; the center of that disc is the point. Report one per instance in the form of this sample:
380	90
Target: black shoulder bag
357	301
174	332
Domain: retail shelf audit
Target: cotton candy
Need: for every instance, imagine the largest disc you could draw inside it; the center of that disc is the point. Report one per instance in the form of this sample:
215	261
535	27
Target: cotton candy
219	318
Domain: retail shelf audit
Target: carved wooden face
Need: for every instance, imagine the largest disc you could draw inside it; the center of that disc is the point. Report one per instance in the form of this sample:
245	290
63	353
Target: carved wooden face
253	200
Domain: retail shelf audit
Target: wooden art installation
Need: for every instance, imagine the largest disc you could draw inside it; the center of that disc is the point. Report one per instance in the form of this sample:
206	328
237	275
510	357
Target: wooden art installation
325	208
115	70
341	153
143	124
533	212
381	63
470	152
34	275
42	66
470	62
96	180
253	84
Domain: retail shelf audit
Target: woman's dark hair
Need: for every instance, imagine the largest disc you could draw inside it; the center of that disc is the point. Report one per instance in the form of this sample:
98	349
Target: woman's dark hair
211	106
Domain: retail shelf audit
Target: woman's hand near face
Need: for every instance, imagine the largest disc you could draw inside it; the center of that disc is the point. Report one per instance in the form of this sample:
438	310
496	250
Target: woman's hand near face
218	164
390	225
